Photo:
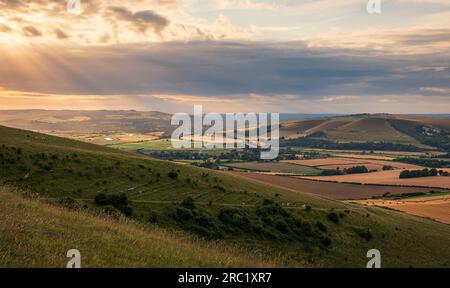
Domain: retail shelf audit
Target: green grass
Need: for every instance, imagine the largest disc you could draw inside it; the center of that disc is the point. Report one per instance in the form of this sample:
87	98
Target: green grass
56	168
161	144
275	167
35	234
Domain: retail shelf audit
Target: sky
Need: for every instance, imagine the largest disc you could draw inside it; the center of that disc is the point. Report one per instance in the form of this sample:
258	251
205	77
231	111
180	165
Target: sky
287	56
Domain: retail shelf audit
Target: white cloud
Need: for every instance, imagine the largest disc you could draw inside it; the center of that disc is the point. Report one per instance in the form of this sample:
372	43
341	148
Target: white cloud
339	98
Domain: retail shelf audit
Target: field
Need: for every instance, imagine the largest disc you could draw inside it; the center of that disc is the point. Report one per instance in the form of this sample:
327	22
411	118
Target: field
334	162
437	207
387	153
115	138
191	201
388	178
280	167
365	156
162	144
340	191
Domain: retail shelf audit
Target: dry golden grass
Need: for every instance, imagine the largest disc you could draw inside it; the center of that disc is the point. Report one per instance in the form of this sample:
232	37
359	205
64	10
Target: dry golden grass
346	166
341	161
437	208
387	178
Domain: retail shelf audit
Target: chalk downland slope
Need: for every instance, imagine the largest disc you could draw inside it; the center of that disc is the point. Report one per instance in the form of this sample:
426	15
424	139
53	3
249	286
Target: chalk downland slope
36	234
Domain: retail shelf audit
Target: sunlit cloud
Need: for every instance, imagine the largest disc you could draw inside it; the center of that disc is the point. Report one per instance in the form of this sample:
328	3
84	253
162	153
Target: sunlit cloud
339	98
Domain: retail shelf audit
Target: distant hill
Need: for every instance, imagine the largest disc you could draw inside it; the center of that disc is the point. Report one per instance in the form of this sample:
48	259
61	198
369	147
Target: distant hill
86	122
290	228
423	132
129	126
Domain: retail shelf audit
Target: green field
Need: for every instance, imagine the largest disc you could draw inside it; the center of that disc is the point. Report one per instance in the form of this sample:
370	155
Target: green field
265	221
161	144
275	167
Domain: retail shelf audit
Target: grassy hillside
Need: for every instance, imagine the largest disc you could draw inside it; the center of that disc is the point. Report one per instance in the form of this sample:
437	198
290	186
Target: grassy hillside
297	228
35	234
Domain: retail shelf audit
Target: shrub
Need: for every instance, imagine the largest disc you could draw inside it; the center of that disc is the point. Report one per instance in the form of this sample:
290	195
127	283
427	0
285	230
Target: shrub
188	203
333	217
365	234
321	226
433	172
356	170
326	241
173	175
118	201
153	217
101	199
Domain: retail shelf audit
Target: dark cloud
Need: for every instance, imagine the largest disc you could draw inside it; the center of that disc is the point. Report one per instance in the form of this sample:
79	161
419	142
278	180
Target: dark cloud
10	3
31	31
141	20
422	37
223	69
60	34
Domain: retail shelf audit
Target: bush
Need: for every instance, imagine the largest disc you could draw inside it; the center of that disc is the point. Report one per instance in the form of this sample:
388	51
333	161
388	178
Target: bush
356	170
326	241
188	203
333	217
173	175
118	201
433	172
153	217
365	234
321	226
101	199
418	173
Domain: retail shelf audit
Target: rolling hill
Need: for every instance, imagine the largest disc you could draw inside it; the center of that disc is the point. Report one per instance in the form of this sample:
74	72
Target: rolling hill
84	121
36	234
295	229
400	129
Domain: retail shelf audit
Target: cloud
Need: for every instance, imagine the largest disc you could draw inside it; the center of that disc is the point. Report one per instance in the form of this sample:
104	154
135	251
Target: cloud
436	90
339	98
141	20
31	31
245	5
60	34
